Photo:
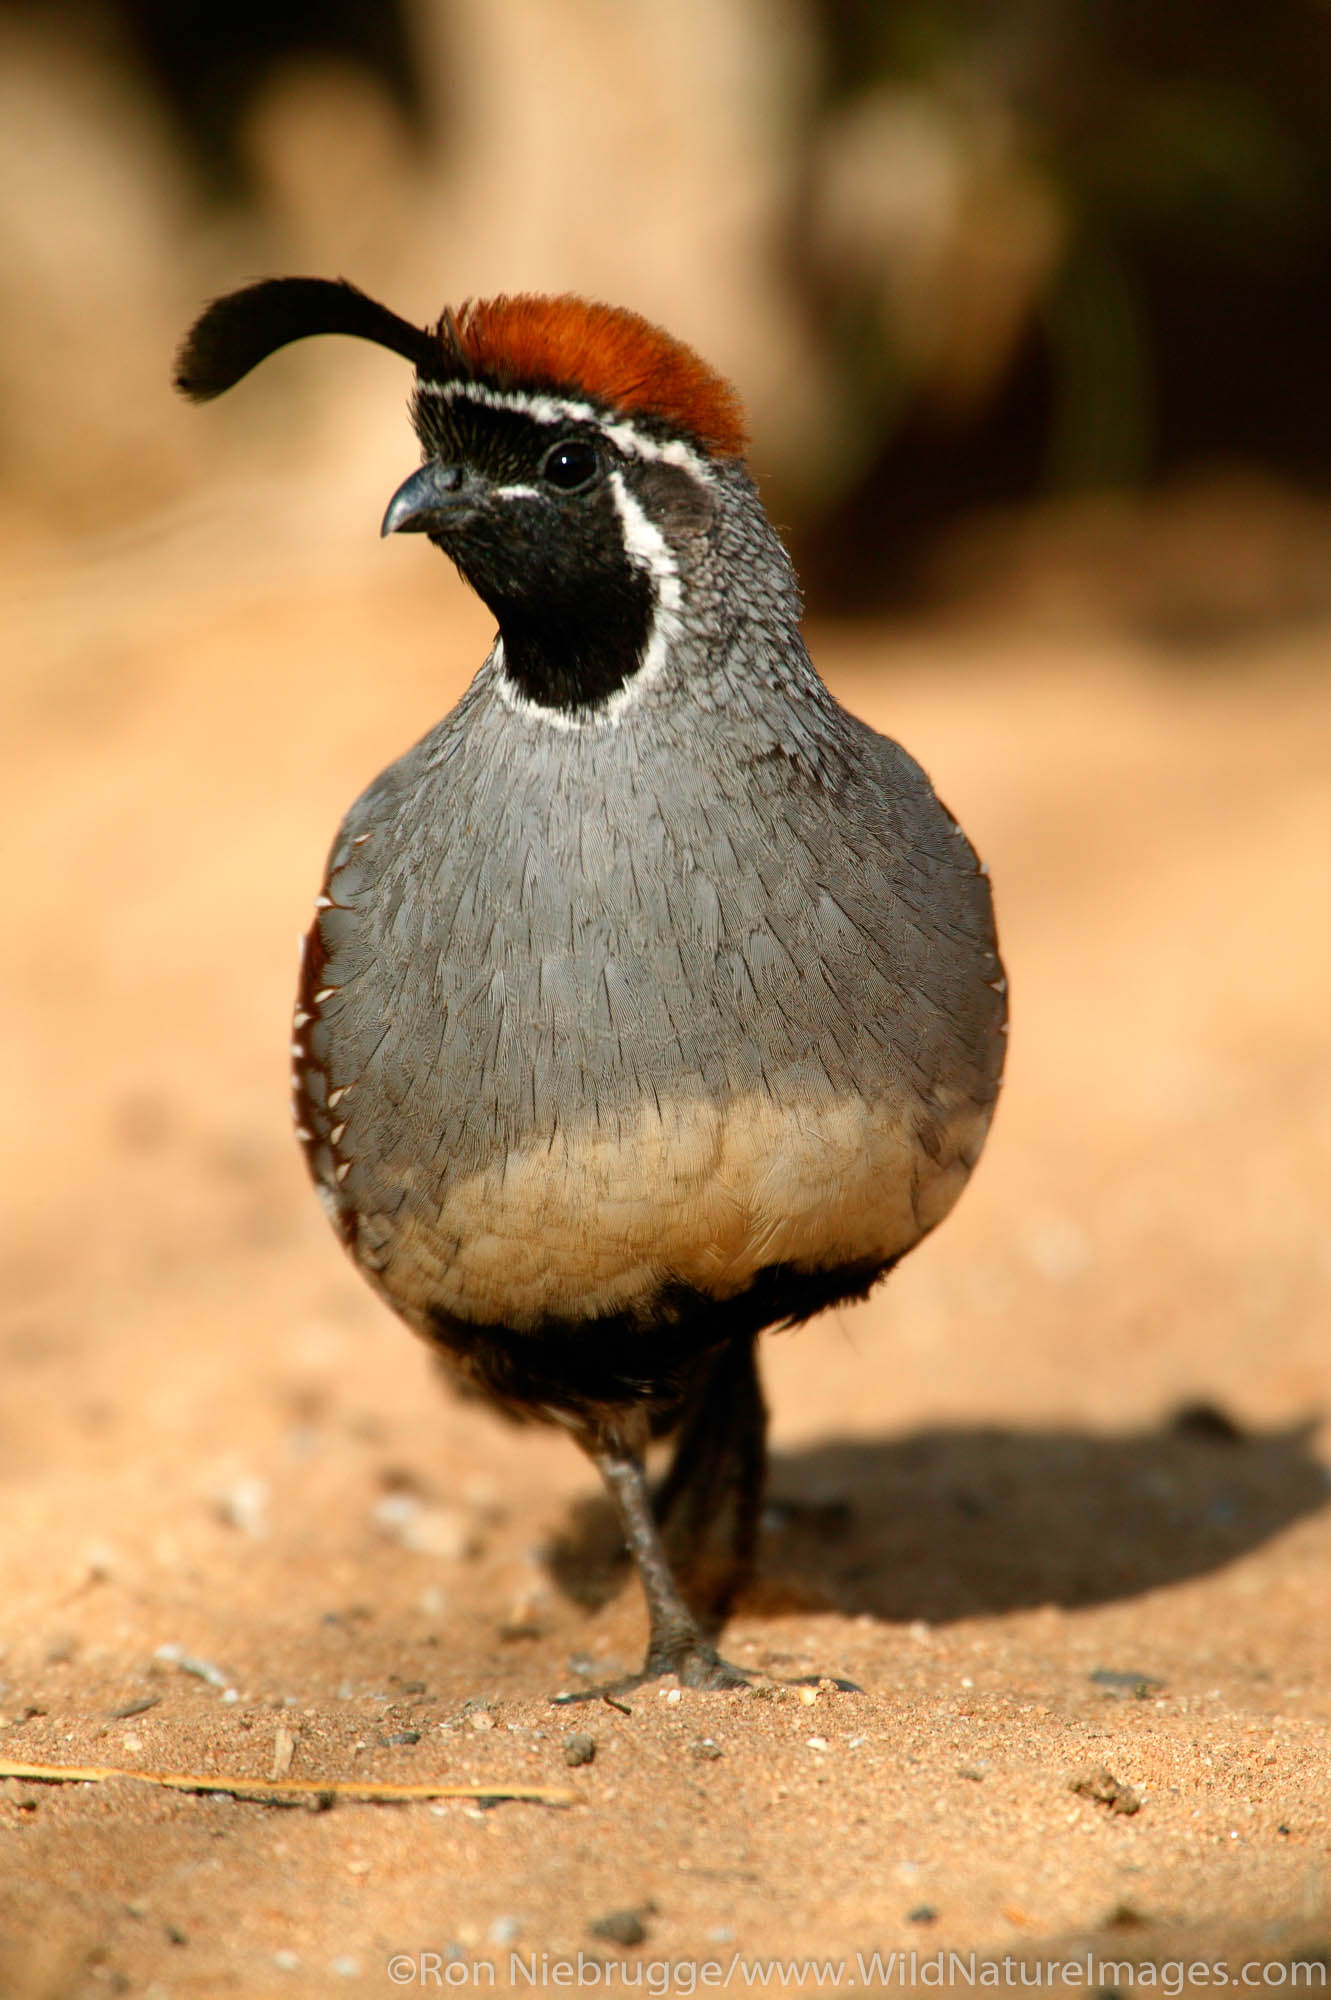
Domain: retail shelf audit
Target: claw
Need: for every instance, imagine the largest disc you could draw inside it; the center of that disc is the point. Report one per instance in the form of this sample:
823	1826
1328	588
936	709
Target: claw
695	1666
699	1666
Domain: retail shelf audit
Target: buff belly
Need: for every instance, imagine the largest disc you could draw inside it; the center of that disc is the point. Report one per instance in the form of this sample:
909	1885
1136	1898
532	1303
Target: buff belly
586	1225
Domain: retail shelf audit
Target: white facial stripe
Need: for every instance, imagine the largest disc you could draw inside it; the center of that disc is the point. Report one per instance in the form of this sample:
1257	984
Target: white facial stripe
565	409
648	549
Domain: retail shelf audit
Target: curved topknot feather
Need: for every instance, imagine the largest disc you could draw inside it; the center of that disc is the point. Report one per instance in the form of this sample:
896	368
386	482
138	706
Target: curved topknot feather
605	353
235	333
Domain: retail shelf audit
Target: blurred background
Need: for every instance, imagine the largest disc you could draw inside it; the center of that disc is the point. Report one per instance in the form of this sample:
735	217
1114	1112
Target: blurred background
961	259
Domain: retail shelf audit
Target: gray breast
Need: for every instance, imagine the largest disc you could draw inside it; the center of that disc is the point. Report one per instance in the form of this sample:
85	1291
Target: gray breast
596	1010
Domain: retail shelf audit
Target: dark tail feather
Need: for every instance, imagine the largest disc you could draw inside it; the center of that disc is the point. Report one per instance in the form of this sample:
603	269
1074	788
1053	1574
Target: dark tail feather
237	332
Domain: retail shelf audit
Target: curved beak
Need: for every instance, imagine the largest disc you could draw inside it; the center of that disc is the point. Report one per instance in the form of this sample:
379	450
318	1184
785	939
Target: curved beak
436	489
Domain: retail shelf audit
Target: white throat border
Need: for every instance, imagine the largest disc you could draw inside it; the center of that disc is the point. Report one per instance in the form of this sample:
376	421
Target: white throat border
647	549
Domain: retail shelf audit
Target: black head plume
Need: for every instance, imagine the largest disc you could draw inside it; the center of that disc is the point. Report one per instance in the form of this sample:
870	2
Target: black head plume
239	331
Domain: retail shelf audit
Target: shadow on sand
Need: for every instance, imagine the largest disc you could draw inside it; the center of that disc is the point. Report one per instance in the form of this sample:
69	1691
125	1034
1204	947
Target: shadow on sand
954	1523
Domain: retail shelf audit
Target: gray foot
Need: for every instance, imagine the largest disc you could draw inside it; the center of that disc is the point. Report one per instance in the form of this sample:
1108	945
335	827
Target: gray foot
694	1663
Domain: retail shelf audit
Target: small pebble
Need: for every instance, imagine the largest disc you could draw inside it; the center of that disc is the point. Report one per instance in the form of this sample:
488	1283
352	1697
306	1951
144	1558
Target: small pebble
579	1749
401	1737
923	1913
819	1743
706	1749
202	1670
286	1961
1206	1421
139	1707
1124	1684
244	1505
523	1619
620	1927
445	1532
284	1749
345	1968
1099	1783
504	1930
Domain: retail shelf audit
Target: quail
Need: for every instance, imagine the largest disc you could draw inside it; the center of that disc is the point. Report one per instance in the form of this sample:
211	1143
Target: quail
652	1000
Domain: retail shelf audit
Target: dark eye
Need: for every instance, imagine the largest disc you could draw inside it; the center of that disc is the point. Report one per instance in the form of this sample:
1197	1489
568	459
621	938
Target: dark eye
570	465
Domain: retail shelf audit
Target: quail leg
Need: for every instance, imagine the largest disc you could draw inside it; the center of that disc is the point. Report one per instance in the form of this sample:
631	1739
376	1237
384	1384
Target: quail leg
675	1644
715	1485
712	1495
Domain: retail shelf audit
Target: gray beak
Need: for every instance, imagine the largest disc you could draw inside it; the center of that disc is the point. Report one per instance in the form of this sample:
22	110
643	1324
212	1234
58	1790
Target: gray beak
420	500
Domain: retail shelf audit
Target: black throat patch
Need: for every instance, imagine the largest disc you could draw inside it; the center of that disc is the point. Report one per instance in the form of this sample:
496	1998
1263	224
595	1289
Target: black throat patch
575	607
575	653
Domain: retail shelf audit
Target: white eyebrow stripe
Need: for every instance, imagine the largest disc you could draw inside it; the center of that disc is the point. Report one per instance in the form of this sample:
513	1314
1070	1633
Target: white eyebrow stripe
546	409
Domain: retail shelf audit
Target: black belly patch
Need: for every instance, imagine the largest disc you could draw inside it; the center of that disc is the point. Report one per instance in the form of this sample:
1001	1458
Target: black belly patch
642	1356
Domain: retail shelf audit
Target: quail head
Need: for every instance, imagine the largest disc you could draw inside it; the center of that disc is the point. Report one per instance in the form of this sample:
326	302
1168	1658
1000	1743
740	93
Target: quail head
651	999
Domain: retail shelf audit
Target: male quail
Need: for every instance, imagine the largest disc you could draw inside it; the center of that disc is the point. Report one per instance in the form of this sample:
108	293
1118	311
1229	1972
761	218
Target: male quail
652	999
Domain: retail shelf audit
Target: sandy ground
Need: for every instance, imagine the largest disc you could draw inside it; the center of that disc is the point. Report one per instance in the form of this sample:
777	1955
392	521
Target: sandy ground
993	1486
